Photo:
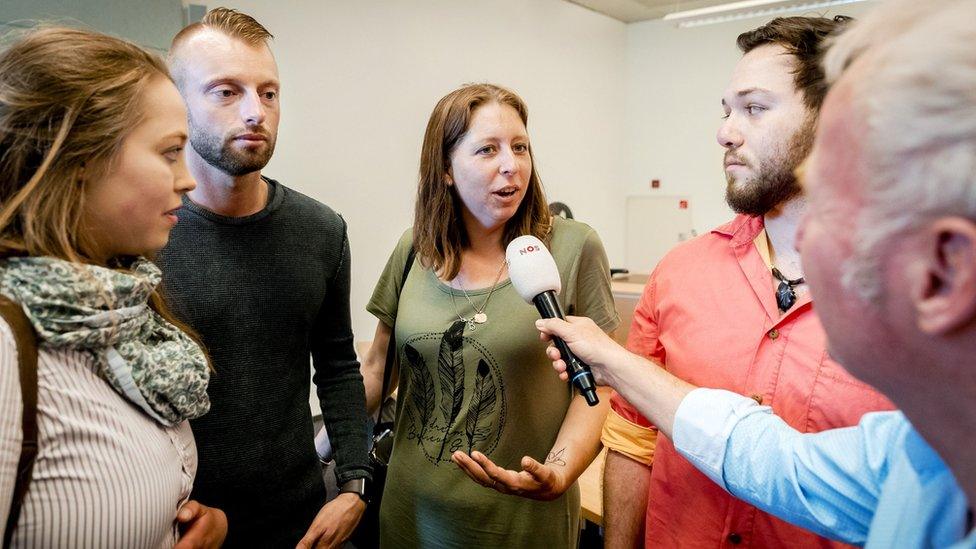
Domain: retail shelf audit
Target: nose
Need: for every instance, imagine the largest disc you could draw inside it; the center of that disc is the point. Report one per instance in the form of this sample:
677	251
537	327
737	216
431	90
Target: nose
252	109
508	163
728	134
184	181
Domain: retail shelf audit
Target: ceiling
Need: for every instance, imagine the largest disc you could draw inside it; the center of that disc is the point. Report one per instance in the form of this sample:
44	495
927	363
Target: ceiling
630	11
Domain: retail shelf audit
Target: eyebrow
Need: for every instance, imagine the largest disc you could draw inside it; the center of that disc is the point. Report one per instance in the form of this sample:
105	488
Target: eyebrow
218	80
750	91
177	134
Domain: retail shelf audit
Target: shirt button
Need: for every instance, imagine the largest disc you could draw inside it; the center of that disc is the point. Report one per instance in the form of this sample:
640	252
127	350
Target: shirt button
735	539
773	334
757	398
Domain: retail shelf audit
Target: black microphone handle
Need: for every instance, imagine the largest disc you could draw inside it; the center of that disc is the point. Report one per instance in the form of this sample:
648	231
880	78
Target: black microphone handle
579	373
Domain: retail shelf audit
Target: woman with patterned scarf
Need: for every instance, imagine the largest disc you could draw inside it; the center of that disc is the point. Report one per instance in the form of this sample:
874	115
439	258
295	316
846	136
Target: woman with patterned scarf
91	177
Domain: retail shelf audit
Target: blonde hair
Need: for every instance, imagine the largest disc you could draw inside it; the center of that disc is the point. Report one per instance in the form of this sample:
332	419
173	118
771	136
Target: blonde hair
439	235
68	98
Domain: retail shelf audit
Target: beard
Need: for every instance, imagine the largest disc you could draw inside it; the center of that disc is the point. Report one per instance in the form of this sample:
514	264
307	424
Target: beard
775	181
219	152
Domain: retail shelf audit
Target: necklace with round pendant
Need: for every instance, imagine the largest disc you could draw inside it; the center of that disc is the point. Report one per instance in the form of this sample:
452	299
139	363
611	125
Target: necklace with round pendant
480	316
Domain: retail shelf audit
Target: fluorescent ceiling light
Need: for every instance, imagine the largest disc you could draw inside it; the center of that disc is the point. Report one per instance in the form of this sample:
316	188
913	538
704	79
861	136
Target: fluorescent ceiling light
733	11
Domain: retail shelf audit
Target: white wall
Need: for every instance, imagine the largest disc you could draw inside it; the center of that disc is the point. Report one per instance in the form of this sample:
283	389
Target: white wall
611	105
675	78
360	79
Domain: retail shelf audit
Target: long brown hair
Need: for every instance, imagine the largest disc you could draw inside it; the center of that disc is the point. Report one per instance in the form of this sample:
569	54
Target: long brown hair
68	98
439	235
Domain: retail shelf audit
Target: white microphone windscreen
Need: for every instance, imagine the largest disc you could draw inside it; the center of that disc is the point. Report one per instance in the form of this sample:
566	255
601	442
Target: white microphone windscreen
531	267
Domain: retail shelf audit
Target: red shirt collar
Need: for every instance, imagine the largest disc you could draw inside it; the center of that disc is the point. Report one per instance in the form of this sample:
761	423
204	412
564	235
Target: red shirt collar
742	229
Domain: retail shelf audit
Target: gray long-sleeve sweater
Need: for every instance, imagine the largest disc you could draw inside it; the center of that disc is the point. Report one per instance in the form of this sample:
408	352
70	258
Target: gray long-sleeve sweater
265	292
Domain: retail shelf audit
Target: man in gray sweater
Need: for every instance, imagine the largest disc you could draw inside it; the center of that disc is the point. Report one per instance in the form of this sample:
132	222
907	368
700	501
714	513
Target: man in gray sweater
261	273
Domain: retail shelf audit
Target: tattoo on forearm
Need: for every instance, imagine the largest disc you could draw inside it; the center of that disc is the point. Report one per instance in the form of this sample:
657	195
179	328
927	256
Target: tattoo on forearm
556	458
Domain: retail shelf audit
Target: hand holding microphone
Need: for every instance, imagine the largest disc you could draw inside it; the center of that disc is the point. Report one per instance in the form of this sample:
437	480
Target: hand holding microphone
535	277
587	341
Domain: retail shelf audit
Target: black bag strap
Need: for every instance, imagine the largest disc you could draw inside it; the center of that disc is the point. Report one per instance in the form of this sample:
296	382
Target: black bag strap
391	347
26	342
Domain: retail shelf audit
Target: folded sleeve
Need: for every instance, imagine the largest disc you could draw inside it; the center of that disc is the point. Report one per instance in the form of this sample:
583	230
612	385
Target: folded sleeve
386	294
635	441
703	426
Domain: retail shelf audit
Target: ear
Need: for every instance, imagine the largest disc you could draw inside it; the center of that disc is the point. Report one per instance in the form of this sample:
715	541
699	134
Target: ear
448	177
946	297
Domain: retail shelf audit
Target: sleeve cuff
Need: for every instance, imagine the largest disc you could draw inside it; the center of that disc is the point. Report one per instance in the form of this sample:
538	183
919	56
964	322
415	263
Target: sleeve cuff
352	474
703	424
380	314
632	440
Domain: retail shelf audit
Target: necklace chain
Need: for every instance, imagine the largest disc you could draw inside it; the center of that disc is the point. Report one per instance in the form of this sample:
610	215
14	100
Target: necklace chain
479	317
779	276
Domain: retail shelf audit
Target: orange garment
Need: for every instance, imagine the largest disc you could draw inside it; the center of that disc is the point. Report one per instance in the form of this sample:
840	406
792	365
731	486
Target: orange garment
708	314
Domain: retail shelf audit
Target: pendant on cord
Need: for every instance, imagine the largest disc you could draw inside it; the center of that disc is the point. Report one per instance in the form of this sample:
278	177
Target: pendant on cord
785	297
480	318
785	294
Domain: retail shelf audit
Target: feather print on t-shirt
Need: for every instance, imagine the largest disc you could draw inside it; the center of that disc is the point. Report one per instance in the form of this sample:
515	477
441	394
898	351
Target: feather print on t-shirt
450	370
422	392
481	406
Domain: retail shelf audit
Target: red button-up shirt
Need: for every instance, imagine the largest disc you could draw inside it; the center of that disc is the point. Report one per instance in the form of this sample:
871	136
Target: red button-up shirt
708	314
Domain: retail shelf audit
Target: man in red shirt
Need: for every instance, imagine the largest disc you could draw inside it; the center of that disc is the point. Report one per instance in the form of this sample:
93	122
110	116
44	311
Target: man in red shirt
730	310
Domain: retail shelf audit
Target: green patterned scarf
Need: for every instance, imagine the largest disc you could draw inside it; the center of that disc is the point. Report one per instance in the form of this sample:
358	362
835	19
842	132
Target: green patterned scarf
106	312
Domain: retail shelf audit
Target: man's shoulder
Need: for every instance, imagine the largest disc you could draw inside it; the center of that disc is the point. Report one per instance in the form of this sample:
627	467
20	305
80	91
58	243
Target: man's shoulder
306	210
720	242
705	249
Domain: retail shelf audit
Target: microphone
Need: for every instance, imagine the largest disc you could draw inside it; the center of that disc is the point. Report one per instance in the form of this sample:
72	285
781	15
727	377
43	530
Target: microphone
535	277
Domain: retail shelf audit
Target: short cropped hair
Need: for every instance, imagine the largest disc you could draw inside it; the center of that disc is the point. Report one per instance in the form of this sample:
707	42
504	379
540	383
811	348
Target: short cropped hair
232	23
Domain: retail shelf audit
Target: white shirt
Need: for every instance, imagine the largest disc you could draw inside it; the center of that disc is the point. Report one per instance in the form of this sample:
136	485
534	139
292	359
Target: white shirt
106	475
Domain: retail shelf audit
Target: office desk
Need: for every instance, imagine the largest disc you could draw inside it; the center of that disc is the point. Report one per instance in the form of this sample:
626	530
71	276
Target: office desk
591	490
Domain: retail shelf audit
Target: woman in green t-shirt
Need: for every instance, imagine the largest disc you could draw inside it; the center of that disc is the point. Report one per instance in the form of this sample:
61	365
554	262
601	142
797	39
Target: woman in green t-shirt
476	392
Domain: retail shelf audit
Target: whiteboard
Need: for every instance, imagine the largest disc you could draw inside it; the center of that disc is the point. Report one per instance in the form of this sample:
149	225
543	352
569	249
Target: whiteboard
654	225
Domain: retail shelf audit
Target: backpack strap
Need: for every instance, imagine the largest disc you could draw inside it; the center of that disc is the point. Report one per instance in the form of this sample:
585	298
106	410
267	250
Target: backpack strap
26	342
391	348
